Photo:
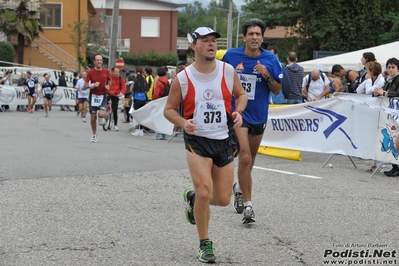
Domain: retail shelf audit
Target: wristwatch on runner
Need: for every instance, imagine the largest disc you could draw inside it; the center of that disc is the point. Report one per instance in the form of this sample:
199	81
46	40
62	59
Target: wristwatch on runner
270	79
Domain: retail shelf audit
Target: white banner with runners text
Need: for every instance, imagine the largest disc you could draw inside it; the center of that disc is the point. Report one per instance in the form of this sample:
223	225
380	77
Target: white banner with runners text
347	124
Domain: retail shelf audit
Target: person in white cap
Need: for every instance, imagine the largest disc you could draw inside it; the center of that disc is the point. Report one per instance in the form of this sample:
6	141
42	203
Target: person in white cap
206	89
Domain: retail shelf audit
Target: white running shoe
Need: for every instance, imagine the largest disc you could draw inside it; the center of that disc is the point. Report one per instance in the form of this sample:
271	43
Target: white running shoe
249	215
138	133
84	120
94	138
101	121
116	128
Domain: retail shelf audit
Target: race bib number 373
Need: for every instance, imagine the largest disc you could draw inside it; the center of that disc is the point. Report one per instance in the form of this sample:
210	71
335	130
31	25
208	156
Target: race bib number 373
211	116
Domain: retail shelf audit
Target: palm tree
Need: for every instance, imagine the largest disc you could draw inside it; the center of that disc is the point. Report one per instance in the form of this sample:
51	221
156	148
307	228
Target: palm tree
22	20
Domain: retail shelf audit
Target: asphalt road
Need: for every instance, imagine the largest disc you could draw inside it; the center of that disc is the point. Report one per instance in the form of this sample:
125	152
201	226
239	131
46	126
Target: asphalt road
66	201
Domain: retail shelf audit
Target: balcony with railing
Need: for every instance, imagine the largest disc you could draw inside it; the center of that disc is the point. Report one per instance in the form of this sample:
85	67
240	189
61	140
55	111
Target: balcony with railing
183	44
122	45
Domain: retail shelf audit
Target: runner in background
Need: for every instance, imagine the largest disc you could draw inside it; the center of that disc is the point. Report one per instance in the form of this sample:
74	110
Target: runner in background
99	81
48	90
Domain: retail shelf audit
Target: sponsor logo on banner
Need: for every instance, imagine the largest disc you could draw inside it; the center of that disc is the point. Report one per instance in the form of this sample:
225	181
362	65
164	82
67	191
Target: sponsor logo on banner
6	96
389	134
393	104
57	96
312	125
69	94
20	92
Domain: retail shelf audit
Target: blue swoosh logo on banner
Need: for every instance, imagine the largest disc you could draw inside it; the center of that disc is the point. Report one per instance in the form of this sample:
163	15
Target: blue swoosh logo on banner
336	119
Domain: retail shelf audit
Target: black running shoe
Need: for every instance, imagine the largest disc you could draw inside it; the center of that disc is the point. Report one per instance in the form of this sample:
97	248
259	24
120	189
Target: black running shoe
238	200
249	215
205	253
188	196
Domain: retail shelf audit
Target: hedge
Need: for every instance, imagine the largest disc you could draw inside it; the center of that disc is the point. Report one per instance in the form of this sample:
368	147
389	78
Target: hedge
150	58
7	53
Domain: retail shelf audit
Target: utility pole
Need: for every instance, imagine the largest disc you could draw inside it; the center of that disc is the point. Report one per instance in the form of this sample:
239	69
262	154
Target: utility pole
229	24
114	35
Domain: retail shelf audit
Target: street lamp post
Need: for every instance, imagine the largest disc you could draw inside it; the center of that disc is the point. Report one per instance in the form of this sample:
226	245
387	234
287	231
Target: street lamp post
238	24
229	25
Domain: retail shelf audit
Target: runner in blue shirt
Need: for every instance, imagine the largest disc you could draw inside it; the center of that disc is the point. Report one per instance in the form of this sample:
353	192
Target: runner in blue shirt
260	73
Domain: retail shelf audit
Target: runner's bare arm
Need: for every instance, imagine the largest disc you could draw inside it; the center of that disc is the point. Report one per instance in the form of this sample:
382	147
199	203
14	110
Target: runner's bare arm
173	102
241	101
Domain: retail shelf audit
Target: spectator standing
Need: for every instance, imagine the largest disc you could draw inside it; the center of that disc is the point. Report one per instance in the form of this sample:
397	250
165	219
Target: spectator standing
159	92
127	103
351	77
140	89
150	80
285	84
118	89
373	78
62	83
183	62
21	81
295	73
75	80
318	88
172	77
6	80
390	89
367	57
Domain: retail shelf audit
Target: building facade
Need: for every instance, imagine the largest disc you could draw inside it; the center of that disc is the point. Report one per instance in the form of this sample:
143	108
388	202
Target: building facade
55	48
144	25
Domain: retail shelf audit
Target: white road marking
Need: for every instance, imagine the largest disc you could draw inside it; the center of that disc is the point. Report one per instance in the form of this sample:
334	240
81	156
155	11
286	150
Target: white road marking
311	176
286	172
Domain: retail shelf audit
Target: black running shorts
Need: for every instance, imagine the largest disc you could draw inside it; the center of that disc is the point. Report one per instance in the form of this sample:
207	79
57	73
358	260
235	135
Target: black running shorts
102	107
222	152
254	129
48	96
31	92
82	100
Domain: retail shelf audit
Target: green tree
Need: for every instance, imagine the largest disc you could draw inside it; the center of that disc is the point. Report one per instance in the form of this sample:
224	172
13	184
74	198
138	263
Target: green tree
339	25
7	53
78	34
21	19
195	15
392	20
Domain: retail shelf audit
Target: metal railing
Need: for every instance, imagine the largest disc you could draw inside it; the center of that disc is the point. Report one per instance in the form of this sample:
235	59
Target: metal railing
62	58
183	44
122	45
